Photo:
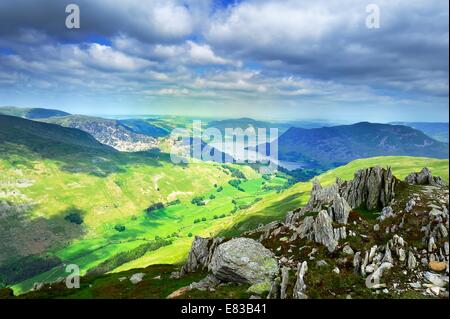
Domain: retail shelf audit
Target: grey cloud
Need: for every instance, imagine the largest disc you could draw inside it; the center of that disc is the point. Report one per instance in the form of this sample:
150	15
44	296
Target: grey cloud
149	20
329	40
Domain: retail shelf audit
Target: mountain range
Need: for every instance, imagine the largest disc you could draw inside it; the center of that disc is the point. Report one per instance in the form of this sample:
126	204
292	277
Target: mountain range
436	130
334	146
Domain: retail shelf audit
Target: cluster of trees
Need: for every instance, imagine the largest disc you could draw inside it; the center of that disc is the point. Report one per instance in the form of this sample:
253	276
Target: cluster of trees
154	207
234	172
198	200
26	267
236	183
119	228
74	217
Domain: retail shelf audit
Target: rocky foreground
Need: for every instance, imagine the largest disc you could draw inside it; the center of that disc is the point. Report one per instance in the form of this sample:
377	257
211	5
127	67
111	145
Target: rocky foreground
372	237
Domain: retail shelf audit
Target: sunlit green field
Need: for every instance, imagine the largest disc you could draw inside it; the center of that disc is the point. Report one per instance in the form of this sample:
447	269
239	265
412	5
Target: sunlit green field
121	198
275	206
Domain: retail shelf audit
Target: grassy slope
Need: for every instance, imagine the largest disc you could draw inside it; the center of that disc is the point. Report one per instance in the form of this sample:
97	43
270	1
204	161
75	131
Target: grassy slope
275	206
121	198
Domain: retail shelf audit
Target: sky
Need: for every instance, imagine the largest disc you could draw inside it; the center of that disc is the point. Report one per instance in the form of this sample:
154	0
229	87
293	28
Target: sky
267	59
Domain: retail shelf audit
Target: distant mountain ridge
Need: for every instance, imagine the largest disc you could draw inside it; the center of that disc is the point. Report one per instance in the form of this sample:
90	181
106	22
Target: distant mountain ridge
333	146
44	137
31	113
437	130
108	132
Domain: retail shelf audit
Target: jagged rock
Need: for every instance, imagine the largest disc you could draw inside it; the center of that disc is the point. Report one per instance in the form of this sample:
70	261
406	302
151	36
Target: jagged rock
431	245
201	253
306	228
437	265
208	282
274	292
321	263
136	278
300	286
291	217
372	252
243	260
435	279
348	250
340	233
321	197
374	279
364	263
339	210
372	188
412	262
401	254
386	212
323	231
424	177
269	229
387	255
370	268
410	205
436	212
357	261
284	281
443	232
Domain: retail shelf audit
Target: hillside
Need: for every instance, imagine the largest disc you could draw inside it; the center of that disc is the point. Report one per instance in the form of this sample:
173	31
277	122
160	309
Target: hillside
146	127
108	132
334	146
436	130
276	205
66	198
31	113
345	253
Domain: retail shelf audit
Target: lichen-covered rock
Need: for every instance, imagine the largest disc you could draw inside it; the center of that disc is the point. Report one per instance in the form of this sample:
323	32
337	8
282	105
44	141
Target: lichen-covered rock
201	253
243	260
339	210
284	281
300	286
323	231
424	177
372	188
321	198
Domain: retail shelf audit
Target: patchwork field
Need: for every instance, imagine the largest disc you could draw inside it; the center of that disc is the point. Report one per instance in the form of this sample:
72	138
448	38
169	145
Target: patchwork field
107	211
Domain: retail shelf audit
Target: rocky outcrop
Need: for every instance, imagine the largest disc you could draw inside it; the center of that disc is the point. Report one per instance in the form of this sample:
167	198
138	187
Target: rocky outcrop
243	260
424	177
201	253
339	210
300	286
323	231
371	188
321	197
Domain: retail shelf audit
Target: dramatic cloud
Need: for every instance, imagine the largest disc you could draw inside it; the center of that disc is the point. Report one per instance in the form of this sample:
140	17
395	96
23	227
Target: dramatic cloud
244	54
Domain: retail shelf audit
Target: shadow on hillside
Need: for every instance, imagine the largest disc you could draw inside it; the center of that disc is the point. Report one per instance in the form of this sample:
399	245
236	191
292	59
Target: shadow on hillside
76	159
25	242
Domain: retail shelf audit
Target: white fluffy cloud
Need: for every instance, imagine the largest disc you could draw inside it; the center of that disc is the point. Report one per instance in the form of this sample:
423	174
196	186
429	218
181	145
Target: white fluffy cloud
288	51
